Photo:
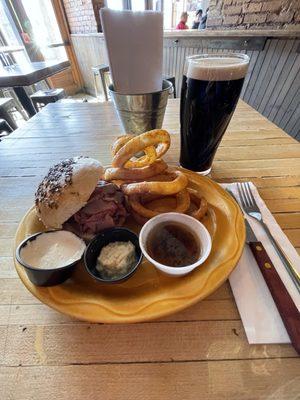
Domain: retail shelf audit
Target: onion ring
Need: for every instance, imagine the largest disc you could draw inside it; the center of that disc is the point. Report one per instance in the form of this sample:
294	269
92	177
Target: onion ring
182	205
135	173
149	157
158	137
119	142
163	188
200	202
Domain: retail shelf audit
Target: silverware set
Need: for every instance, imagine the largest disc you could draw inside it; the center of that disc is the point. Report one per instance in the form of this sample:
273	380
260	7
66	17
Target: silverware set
251	208
284	303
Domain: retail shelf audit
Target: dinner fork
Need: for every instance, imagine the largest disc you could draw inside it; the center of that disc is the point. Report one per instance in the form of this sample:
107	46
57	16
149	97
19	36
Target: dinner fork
250	207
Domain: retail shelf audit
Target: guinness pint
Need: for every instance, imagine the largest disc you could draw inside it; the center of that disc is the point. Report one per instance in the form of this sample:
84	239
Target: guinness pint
211	86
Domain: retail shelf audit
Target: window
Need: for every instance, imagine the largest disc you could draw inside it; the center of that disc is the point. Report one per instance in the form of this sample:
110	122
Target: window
171	9
35	21
138	5
115	4
45	28
10	37
168	14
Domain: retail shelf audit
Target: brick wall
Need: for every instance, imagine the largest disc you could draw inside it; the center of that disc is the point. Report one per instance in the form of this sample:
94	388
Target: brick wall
254	14
83	15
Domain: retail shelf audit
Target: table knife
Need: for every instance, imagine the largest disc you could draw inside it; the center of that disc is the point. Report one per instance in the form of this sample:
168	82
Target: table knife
284	303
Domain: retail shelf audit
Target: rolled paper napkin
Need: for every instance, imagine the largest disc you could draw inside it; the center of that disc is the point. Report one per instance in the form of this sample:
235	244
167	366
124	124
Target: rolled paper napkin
134	42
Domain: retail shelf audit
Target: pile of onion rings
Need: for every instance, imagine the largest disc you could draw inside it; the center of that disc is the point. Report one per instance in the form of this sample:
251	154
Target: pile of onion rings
146	177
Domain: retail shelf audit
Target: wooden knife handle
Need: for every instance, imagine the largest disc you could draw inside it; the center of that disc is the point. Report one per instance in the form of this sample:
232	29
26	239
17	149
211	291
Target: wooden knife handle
285	305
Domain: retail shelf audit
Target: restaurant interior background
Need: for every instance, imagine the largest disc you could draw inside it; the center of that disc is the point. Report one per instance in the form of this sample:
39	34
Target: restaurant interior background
267	30
217	333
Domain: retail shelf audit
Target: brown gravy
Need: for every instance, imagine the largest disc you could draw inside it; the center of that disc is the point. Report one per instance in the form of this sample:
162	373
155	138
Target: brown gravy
173	244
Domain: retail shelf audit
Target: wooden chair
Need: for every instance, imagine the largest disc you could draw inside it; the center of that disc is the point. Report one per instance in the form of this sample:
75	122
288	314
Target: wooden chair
44	97
7	106
9	92
5	128
172	80
101	70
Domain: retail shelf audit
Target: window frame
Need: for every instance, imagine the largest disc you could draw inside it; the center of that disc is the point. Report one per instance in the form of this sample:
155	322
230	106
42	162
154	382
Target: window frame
148	4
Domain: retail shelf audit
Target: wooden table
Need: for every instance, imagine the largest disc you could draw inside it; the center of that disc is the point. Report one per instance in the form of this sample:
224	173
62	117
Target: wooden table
27	74
199	353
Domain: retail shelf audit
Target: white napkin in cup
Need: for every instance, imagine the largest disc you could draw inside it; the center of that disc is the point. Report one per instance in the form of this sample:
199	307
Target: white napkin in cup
256	306
134	42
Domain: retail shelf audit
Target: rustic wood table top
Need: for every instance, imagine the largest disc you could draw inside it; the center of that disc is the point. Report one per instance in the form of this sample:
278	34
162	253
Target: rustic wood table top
30	73
199	353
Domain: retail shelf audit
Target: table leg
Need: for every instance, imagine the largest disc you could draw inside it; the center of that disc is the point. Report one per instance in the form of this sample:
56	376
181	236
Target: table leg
95	85
25	101
104	85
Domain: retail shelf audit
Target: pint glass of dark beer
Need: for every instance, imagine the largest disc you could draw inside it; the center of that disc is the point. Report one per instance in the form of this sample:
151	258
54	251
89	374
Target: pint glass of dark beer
211	86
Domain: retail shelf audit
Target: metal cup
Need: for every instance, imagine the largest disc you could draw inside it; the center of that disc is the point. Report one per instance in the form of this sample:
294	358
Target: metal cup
139	113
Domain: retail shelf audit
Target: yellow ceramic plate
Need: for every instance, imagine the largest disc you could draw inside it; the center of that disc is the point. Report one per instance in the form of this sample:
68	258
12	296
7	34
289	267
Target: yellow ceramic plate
148	294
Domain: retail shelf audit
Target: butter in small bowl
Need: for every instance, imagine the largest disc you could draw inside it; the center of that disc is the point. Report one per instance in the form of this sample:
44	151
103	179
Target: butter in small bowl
116	259
113	255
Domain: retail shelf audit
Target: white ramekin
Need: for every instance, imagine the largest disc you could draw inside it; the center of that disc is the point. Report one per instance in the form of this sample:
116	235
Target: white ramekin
192	224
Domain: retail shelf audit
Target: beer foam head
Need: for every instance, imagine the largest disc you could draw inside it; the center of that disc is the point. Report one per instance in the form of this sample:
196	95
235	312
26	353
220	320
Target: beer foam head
213	67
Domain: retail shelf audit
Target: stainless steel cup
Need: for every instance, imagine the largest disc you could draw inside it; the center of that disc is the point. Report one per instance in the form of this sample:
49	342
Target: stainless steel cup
139	113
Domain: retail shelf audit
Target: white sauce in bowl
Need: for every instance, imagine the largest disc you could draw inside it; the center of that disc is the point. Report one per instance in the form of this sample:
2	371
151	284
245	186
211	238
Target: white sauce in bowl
52	250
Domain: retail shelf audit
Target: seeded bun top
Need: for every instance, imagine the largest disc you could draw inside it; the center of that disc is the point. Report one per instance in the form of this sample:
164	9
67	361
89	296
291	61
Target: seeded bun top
66	189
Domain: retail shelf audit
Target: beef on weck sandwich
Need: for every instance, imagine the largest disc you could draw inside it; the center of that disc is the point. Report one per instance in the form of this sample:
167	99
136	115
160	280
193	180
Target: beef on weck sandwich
72	196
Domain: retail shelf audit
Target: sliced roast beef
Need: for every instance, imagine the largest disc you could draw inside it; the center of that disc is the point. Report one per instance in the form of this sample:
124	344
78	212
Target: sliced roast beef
104	209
